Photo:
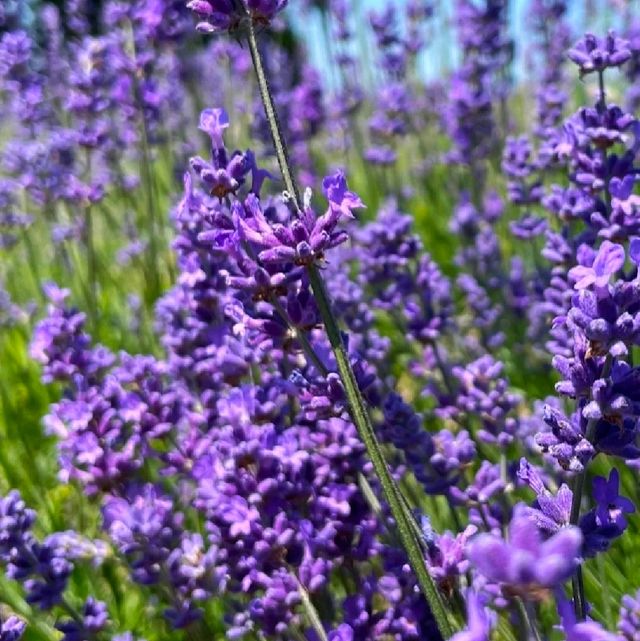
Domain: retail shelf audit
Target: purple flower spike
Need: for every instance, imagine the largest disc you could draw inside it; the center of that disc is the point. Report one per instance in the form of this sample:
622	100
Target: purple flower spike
634	250
581	630
611	507
629	622
216	15
608	260
553	511
344	632
12	629
265	10
214	122
226	15
94	619
340	198
525	563
596	54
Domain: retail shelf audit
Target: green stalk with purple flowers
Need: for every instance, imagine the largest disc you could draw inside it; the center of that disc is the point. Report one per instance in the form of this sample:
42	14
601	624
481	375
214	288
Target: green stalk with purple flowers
358	409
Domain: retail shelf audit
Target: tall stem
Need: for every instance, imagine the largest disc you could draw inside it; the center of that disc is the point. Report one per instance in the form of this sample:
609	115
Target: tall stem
528	619
312	613
282	153
356	402
92	259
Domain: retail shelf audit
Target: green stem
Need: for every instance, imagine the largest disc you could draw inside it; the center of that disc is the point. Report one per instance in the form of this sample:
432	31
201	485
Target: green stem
606	592
312	613
155	228
527	619
301	337
579	601
356	402
272	116
92	260
367	434
71	611
31	253
92	268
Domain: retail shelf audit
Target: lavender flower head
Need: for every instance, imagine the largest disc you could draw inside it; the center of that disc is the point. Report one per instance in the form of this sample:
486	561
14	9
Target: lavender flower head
228	15
597	54
608	260
629	623
576	630
12	628
525	563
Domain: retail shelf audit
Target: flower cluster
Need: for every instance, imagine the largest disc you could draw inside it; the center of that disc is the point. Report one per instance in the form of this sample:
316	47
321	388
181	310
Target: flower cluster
226	15
44	568
307	414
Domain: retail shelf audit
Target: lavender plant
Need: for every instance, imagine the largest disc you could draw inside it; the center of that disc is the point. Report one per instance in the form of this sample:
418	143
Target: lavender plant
333	354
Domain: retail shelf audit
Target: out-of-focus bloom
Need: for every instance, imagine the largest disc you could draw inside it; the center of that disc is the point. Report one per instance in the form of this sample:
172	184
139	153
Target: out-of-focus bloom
591	53
228	15
575	630
480	620
93	619
629	622
525	562
608	260
12	628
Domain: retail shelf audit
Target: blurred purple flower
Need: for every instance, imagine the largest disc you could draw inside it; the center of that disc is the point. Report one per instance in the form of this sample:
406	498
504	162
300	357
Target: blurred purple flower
591	53
525	562
480	620
608	260
12	628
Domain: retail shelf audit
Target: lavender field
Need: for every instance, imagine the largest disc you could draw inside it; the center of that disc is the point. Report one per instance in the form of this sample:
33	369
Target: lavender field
319	320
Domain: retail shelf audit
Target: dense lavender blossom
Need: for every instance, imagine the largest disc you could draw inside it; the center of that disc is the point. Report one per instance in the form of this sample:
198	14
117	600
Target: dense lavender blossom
486	47
229	383
43	567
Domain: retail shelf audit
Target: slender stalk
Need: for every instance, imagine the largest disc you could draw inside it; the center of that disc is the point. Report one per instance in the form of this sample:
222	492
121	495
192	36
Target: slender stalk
92	268
358	410
606	593
282	153
454	516
601	92
301	337
155	227
72	612
312	613
601	106
527	619
92	259
577	583
31	253
446	378
579	601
